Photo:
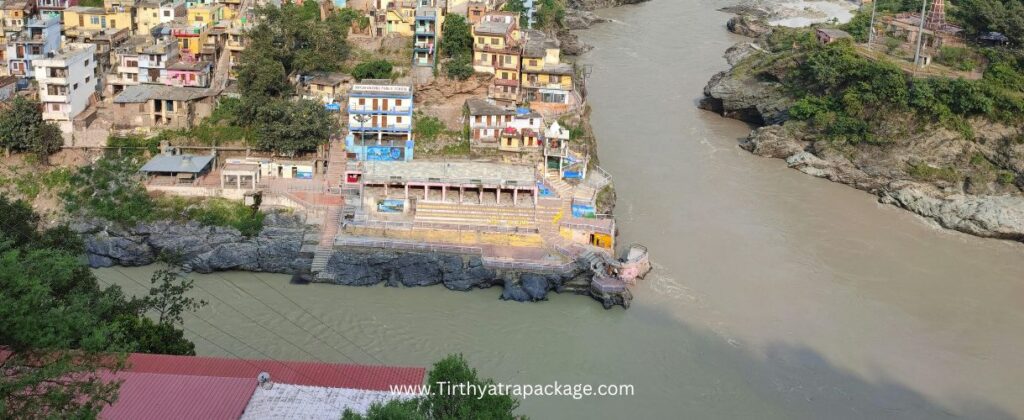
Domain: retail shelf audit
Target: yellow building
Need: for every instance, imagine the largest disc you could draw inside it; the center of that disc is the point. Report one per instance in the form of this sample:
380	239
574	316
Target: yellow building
206	14
497	49
544	77
80	20
401	18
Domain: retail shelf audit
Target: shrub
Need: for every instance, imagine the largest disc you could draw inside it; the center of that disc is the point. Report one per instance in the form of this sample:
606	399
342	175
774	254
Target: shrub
376	69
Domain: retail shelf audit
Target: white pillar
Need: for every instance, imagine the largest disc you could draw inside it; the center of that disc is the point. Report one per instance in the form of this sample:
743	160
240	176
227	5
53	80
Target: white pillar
426	191
444	193
406	191
497	195
238	181
535	191
515	196
461	191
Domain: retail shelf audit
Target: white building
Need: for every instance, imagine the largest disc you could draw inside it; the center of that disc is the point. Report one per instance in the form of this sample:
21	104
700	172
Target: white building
66	83
382	109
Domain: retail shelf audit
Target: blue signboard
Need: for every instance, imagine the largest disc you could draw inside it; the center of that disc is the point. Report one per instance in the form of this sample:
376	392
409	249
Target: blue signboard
572	175
387	153
391	206
304	175
584	211
333	107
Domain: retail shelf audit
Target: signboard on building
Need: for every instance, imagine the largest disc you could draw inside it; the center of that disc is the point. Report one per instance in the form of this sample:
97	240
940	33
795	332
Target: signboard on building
385	153
391	206
584	211
388	89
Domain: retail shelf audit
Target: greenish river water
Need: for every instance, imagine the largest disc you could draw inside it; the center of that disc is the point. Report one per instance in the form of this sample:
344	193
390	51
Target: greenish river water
776	295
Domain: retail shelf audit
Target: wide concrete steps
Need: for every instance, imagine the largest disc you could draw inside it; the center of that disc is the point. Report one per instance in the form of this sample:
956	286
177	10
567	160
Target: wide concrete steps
320	259
475	215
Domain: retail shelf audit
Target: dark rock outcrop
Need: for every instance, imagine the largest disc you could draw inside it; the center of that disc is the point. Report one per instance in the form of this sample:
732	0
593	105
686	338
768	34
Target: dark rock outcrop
747	99
600	4
200	248
536	286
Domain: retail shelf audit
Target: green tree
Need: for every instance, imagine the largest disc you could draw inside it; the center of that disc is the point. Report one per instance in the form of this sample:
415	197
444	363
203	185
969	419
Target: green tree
440	405
288	127
375	69
262	76
22	129
978	16
167	297
60	328
456	39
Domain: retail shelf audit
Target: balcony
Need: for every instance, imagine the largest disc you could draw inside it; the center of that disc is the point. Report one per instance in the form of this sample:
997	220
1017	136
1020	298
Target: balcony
56	116
187	32
506	82
393	128
369	110
536	84
50	98
423	46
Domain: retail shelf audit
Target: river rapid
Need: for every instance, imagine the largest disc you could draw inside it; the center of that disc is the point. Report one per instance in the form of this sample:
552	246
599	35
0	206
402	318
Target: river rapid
775	294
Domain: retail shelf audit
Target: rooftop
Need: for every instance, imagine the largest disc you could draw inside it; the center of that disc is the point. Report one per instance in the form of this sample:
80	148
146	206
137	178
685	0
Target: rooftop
834	33
142	93
492	28
538	44
459	171
479	106
183	65
191	164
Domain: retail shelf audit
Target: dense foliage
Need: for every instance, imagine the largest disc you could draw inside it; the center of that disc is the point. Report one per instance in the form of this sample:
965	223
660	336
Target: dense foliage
852	99
457	47
375	69
22	129
979	16
288	40
439	405
547	13
110	189
62	329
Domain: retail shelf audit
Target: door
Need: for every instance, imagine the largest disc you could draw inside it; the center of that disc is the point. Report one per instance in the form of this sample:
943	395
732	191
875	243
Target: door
374	122
376	106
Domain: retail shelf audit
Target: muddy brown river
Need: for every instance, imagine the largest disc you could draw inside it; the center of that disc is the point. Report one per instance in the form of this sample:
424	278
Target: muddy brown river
775	295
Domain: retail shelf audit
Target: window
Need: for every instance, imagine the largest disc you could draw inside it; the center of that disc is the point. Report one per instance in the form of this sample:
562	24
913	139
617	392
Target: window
479	119
362	101
494	41
533	62
86	63
398	102
199	18
74	86
167	13
54	107
398	120
95	20
88	78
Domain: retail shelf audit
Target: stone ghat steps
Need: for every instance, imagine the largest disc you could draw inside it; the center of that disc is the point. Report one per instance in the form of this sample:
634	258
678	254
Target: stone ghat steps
320	259
475	215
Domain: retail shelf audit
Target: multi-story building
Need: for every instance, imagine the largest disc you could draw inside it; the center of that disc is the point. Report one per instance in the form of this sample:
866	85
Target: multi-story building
188	72
523	133
159	106
125	71
498	49
154	58
16	13
67	80
152	13
545	79
382	109
429	21
36	39
106	42
81	22
486	120
54	8
400	17
234	44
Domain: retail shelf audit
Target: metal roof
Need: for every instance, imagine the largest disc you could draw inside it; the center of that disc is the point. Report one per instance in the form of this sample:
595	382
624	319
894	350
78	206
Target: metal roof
178	163
291	372
155	396
478	106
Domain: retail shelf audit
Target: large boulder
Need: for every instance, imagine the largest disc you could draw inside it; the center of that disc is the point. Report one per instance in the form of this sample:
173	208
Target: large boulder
581	19
748	26
746	98
107	250
989	216
515	292
535	285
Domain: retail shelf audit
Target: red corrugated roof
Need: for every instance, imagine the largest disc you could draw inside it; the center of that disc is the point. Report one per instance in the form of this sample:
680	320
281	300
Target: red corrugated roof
290	372
153	396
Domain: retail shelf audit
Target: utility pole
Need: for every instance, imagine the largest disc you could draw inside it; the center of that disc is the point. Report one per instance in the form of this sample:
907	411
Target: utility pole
920	35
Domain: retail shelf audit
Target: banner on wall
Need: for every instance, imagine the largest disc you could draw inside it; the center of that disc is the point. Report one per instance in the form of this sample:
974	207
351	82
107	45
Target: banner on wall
385	153
584	211
391	206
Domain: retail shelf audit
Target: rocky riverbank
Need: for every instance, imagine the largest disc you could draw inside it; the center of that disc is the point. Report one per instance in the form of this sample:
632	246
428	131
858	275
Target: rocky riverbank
580	15
278	249
371	267
971	184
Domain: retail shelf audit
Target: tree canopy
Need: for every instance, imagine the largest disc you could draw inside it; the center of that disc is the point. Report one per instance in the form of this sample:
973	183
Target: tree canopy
22	129
61	327
457	46
440	405
374	69
979	16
